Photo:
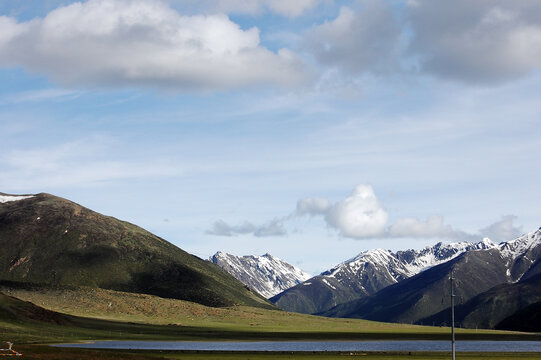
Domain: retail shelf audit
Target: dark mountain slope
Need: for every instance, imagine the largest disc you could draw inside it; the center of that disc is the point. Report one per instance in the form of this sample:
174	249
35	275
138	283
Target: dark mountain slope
49	240
488	309
527	319
427	293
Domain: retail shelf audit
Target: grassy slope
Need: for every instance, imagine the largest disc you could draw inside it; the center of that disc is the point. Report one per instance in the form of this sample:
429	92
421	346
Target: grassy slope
50	240
22	322
150	317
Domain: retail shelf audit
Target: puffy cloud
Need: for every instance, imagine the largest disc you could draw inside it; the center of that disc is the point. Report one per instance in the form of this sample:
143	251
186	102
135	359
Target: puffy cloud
477	41
144	43
273	228
482	41
313	206
360	215
360	41
502	230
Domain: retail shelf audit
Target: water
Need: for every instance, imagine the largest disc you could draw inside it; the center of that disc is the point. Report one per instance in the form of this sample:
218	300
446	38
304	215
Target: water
409	345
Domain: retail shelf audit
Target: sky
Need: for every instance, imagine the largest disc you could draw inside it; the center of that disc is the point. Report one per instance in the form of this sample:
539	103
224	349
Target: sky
309	129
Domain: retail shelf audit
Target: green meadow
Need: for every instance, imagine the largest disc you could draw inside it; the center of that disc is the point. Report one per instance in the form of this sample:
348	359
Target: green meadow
85	314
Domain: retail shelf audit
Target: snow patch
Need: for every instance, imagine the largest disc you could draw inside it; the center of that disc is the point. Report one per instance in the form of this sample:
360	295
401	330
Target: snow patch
328	284
8	198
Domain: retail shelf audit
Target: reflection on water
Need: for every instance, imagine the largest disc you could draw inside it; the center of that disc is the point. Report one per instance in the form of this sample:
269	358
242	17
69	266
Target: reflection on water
413	345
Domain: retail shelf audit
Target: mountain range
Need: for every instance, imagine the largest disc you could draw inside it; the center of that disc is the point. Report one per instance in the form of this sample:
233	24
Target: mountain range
494	281
480	275
366	274
264	274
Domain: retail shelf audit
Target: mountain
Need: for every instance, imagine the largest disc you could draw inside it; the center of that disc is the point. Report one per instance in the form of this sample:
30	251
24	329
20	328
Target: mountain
366	274
265	274
491	307
49	240
415	299
526	319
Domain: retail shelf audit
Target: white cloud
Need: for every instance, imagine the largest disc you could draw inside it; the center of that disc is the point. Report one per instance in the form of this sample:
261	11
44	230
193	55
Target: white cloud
477	41
291	8
144	43
360	215
273	228
432	227
502	230
286	8
484	41
358	41
313	206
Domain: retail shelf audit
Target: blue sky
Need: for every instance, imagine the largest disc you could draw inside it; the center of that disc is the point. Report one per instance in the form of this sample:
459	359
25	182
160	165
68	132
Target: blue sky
312	129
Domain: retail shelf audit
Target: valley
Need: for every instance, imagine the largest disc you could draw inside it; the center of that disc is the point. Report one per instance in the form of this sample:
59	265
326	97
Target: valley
70	274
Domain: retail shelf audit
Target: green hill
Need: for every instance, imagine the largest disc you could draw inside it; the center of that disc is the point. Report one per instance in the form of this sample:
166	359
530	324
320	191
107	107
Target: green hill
49	240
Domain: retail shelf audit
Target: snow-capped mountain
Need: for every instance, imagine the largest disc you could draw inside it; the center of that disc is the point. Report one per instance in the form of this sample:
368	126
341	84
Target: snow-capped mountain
265	274
490	270
522	256
369	272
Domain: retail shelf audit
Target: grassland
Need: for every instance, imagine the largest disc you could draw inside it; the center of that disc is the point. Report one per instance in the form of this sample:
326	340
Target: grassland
106	314
69	314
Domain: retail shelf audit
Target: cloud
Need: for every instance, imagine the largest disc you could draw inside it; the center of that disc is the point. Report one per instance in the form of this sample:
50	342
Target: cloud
286	8
477	41
432	227
502	230
312	206
273	228
221	228
366	40
144	43
484	41
79	163
360	215
39	95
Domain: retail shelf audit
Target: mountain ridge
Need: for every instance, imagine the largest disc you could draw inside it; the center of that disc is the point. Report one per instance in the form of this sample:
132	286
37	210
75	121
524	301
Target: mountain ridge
416	299
366	274
266	274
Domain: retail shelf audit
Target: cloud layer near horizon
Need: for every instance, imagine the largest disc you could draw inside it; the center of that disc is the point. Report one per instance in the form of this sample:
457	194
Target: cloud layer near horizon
361	216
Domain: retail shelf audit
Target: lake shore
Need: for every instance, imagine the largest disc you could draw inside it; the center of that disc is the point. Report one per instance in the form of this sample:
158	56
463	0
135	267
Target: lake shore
44	352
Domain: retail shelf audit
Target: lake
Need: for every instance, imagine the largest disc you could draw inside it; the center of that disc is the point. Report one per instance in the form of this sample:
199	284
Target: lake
405	345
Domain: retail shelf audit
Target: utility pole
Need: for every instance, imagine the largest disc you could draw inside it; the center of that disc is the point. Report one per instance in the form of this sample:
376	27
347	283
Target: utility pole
452	315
